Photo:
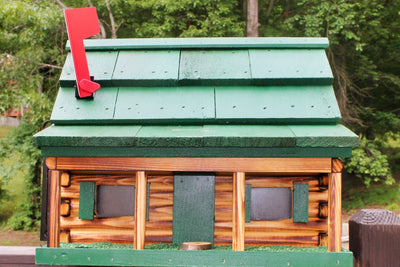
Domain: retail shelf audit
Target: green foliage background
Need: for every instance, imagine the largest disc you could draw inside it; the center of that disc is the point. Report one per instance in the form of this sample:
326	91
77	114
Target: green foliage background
364	54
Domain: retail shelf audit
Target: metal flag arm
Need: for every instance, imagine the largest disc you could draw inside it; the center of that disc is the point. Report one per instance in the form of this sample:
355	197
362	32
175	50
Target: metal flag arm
82	23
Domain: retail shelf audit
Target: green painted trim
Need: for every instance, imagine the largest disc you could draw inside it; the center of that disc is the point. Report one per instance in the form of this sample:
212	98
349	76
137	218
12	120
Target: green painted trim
202	43
86	200
247	203
279	152
300	203
147	257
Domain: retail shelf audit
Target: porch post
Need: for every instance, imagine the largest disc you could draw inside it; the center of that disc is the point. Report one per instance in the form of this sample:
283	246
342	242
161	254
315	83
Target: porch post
54	209
140	210
238	221
335	207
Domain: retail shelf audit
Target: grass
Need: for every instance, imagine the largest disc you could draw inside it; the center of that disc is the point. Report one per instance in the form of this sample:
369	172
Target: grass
14	188
166	246
4	131
357	196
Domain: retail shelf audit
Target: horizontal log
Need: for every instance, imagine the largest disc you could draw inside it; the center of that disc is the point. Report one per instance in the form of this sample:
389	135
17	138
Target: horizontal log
99	235
314	224
124	222
312	181
308	239
303	239
104	179
259	165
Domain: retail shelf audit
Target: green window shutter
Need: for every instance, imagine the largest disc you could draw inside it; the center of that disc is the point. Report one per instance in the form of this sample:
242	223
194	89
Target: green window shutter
300	203
247	203
86	200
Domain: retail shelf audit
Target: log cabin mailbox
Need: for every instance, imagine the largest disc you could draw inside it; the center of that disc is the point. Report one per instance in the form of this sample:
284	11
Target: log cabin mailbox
232	141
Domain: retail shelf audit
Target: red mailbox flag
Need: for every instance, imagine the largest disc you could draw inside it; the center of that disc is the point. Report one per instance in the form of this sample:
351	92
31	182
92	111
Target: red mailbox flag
82	23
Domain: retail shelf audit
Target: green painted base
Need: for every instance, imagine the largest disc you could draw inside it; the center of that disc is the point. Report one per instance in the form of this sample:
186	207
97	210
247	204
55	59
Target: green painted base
149	257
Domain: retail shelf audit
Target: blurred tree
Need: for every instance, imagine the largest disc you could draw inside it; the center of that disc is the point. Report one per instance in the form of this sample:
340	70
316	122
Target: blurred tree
364	54
31	54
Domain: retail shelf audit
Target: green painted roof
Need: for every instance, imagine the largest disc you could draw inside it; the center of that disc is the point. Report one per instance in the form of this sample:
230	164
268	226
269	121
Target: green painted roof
201	97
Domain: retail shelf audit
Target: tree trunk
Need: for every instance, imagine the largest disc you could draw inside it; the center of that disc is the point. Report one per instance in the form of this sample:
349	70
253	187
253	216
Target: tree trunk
252	18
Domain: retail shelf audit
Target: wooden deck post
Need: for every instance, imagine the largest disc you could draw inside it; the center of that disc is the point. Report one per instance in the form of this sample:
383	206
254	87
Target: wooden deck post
238	221
375	237
140	210
54	208
335	207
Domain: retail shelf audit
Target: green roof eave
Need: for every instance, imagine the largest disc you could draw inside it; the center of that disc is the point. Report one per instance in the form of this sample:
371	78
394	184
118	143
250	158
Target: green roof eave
204	43
205	140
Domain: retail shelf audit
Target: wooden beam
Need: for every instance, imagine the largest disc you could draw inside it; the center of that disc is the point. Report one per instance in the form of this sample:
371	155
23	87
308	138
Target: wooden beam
238	220
54	210
140	210
255	165
335	212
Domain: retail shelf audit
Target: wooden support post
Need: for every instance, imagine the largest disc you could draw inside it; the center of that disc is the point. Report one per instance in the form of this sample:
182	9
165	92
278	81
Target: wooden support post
238	221
335	207
54	209
140	210
375	237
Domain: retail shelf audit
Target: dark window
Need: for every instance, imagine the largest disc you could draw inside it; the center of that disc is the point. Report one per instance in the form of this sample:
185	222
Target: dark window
269	204
115	201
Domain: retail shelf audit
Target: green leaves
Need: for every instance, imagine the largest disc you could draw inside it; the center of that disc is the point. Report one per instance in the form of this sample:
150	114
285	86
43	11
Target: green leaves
190	19
370	165
31	40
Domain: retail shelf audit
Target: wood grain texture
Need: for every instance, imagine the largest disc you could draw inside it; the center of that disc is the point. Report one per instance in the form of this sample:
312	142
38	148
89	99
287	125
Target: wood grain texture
238	220
99	235
65	179
65	209
337	165
324	181
323	239
65	237
264	165
51	163
54	210
140	210
159	226
335	212
323	210
375	237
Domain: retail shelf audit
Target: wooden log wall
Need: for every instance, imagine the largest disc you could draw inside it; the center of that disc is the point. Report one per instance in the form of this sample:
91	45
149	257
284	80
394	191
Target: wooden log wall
158	227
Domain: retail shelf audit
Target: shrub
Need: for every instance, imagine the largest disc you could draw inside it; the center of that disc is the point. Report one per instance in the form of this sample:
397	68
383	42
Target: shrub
369	164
